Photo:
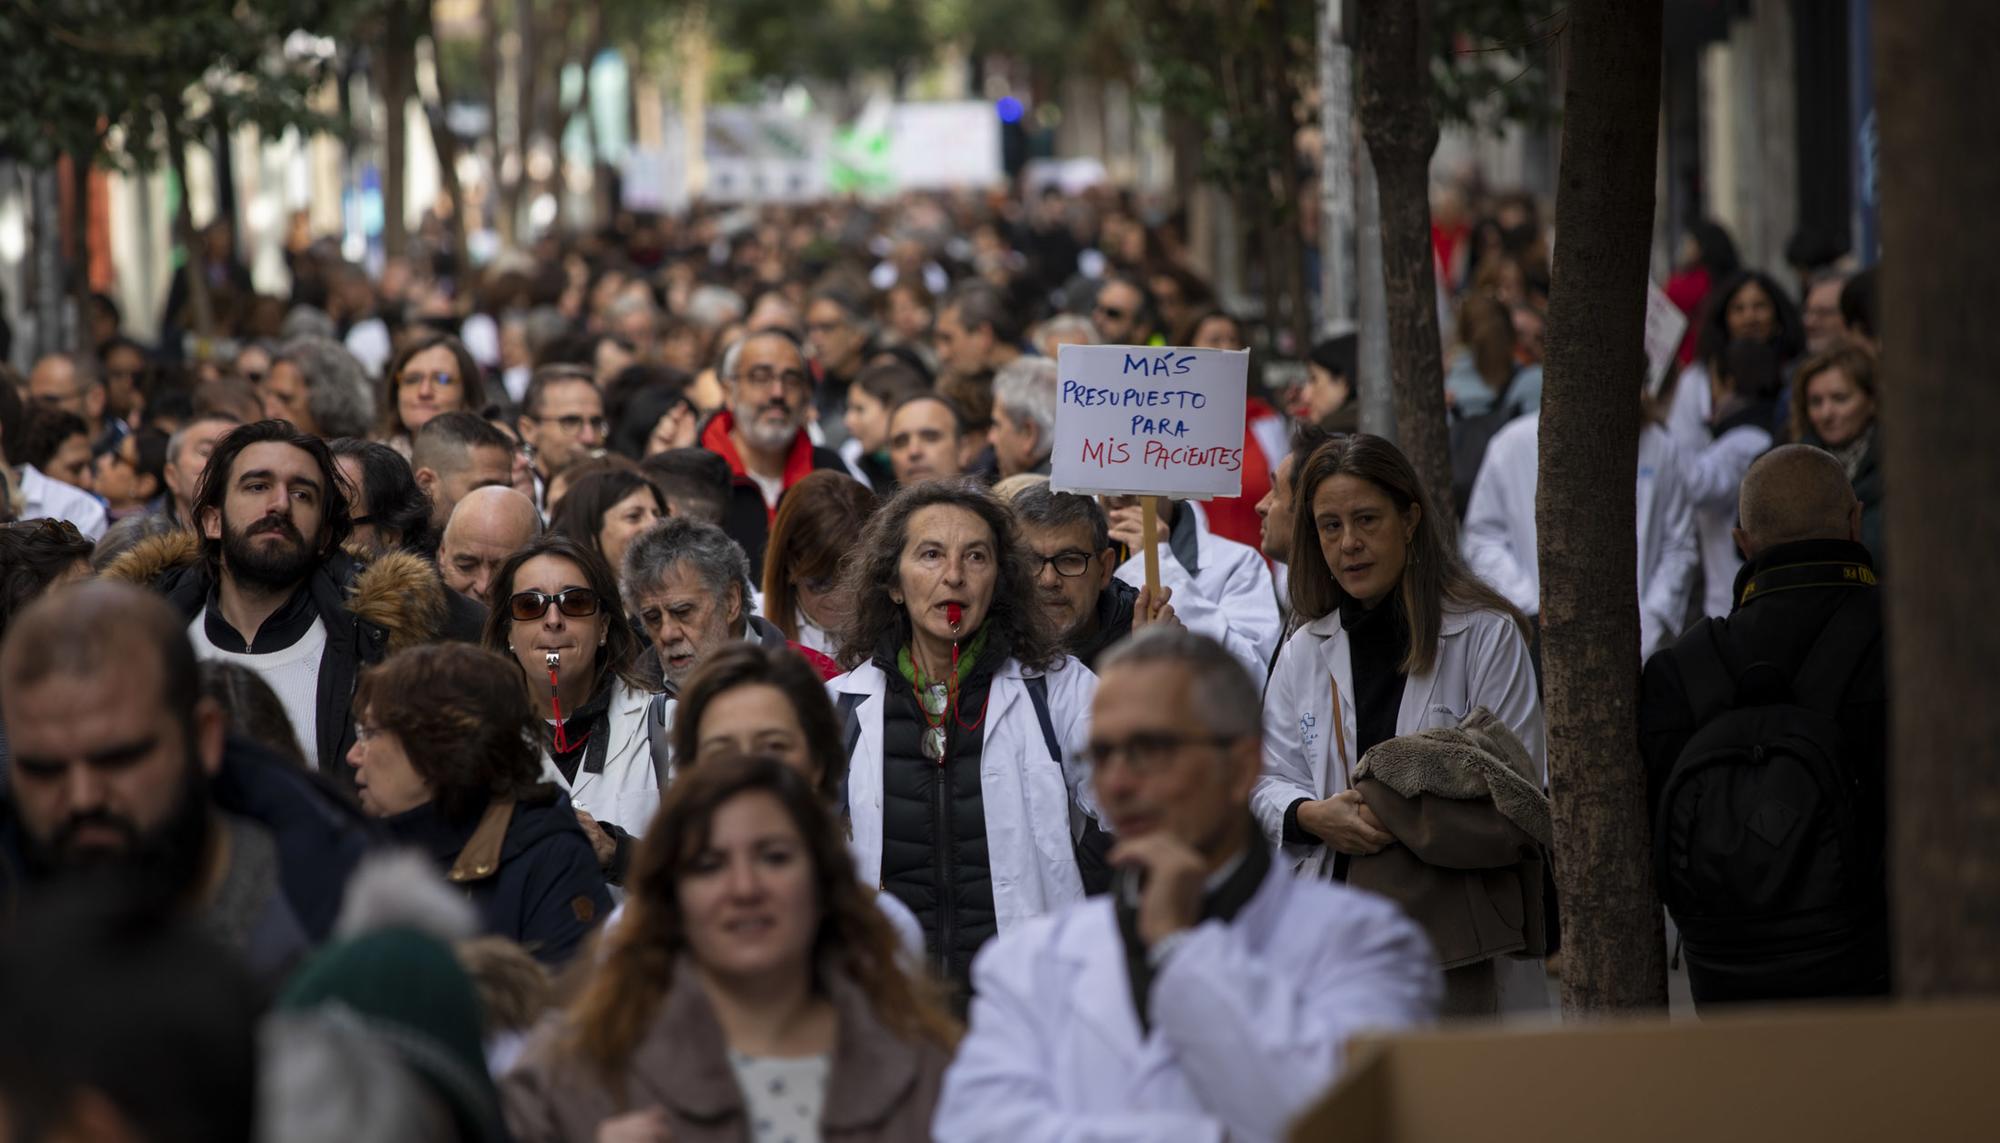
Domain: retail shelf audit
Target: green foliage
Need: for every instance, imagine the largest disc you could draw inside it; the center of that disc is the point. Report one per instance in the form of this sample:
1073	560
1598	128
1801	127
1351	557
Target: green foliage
79	70
1495	61
829	39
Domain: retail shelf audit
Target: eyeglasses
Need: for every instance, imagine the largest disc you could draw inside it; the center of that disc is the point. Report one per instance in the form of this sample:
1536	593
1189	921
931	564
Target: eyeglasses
254	376
1149	752
574	424
1068	565
364	733
1113	313
763	375
439	378
819	585
575	602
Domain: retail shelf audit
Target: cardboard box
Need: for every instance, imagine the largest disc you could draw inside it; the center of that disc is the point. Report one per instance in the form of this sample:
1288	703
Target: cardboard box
1879	1074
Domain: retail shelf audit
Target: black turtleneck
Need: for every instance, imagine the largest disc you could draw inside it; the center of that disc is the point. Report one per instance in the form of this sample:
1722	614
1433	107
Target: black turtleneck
1378	640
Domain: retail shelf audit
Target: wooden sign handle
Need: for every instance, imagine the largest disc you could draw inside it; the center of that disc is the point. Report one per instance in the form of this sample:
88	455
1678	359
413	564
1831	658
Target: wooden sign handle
1149	536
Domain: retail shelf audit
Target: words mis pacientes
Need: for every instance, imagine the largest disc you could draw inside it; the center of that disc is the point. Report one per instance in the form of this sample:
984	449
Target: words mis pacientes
1158	422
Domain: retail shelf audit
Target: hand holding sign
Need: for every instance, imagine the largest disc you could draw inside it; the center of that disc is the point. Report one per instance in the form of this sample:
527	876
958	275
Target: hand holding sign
1149	421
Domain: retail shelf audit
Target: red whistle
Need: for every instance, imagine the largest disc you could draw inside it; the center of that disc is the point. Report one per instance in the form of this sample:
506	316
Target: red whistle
953	612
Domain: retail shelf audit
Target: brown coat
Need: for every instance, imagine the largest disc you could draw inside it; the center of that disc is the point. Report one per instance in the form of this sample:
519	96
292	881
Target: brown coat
1471	827
881	1087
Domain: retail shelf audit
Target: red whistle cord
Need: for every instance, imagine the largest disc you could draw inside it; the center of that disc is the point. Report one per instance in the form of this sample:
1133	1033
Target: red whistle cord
563	745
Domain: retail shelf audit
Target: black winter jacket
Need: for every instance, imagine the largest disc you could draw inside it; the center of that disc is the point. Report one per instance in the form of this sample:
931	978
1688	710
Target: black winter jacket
370	611
527	867
934	855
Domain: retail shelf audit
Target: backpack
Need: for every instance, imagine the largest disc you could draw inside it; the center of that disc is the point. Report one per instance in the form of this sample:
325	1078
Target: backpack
1092	843
1757	846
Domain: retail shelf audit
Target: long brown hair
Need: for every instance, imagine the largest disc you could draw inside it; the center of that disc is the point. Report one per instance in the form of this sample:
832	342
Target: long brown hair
1433	575
746	664
816	524
622	997
872	573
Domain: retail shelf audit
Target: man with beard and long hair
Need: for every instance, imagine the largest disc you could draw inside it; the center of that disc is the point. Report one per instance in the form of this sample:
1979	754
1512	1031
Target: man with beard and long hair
114	750
762	433
265	583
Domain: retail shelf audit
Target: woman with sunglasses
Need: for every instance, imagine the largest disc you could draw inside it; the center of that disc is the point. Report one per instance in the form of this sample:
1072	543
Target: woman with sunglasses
432	375
559	619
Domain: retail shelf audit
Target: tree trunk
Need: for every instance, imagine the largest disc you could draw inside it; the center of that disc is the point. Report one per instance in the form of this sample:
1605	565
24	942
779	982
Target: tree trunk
190	242
446	145
1614	952
1282	99
81	340
1937	105
395	77
50	301
1401	130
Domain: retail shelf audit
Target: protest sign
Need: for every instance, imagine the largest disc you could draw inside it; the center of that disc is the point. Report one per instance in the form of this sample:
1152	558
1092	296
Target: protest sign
1665	326
1149	421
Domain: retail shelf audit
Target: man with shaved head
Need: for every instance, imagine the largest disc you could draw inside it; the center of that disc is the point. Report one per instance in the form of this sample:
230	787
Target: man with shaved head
488	525
119	765
1748	698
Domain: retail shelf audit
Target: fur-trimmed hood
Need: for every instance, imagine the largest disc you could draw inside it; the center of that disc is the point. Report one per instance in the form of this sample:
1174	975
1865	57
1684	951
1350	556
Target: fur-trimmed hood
397	592
1477	760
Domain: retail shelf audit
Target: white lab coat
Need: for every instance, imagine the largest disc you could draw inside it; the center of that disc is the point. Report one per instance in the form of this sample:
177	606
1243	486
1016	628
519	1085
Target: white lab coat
1714	476
1713	469
1026	795
1250	1020
627	792
1231	599
43	496
1482	661
1500	532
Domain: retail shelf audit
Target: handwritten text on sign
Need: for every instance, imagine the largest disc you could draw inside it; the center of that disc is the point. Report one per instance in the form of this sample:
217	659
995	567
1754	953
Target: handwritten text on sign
1148	420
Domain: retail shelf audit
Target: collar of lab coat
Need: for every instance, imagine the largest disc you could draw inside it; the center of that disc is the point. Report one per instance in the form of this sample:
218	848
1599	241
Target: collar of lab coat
1091	949
1454	621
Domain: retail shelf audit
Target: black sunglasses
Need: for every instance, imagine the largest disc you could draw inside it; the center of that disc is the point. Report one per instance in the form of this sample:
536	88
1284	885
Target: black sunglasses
575	602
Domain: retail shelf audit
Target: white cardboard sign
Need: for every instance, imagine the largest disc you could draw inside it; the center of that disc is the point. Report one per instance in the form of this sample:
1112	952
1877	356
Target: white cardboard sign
1149	421
1665	326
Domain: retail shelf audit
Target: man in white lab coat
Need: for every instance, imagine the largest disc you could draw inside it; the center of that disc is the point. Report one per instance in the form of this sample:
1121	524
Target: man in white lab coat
1221	589
1212	994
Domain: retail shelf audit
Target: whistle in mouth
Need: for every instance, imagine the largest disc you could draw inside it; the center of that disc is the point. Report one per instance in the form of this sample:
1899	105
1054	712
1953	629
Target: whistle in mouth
554	659
954	613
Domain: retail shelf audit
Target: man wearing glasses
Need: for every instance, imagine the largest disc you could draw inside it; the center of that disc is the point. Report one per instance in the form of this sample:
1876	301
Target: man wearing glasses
761	432
1211	995
562	422
1123	314
1071	543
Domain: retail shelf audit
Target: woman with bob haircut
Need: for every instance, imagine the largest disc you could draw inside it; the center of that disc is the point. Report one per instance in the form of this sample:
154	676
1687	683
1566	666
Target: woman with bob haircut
442	755
816	525
556	597
606	509
751	990
964	717
1398	636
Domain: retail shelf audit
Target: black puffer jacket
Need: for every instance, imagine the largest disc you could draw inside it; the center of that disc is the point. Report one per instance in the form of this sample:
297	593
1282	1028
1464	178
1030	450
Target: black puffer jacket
934	856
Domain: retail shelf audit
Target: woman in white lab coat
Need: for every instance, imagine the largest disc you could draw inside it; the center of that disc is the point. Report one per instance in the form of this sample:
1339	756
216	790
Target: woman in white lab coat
1398	637
962	720
557	597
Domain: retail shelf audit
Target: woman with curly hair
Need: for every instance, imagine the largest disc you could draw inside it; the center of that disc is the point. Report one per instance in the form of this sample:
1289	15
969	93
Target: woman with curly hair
962	716
750	991
443	754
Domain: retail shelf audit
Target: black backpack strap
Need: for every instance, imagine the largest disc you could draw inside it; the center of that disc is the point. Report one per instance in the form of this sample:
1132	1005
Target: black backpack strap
1706	676
1038	693
1846	639
850	721
657	741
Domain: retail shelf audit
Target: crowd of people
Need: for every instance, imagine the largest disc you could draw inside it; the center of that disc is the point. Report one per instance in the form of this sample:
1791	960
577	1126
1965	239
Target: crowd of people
647	688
